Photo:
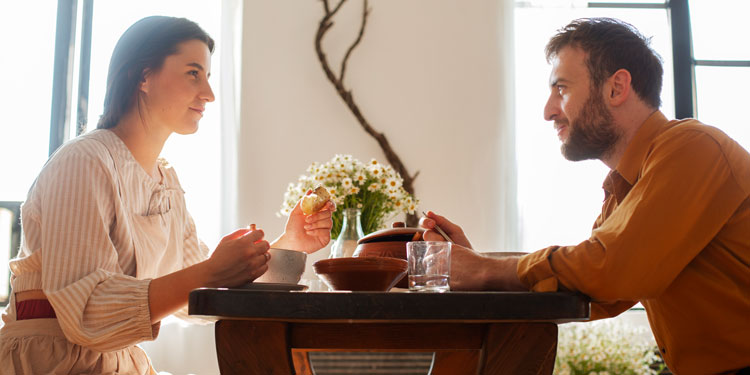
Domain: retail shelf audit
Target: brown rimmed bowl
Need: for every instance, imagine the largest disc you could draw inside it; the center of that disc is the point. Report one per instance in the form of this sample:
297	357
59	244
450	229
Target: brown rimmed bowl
361	274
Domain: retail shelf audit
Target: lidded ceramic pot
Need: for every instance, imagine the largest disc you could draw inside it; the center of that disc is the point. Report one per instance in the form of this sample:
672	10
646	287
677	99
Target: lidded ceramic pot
389	243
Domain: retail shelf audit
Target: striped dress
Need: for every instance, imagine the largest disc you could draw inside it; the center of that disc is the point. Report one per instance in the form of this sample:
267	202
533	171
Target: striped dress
96	229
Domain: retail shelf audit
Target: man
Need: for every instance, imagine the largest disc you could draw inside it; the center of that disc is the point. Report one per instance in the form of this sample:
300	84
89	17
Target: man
674	232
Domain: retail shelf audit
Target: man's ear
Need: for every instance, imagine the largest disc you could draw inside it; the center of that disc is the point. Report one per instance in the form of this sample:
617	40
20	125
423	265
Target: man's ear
619	87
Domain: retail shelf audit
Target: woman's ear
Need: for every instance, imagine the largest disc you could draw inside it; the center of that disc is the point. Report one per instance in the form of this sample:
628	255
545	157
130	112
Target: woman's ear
619	87
146	79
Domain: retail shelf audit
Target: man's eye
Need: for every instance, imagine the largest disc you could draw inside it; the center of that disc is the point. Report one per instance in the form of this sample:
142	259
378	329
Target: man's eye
560	89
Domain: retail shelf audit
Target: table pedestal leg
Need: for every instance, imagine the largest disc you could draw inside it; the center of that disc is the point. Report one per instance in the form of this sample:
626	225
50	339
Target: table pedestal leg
253	347
247	347
520	348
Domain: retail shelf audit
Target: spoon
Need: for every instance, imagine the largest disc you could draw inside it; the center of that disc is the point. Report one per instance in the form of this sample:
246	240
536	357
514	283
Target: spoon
440	230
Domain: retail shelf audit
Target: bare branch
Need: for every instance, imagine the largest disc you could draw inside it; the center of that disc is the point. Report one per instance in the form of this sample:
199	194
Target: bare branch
338	6
365	11
346	95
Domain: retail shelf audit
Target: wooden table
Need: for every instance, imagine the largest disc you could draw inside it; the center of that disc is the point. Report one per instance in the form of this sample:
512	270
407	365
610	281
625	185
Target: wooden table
261	332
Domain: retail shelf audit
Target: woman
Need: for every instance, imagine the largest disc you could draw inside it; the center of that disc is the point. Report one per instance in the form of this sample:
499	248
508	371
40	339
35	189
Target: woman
108	247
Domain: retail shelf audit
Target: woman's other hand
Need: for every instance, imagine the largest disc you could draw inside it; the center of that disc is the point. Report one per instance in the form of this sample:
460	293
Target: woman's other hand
307	233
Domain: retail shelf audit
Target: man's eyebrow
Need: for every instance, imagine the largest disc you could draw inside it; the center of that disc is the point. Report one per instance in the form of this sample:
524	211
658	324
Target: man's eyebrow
199	67
558	81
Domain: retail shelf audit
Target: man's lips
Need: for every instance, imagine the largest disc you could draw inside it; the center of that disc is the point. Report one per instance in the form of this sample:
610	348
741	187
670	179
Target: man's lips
561	128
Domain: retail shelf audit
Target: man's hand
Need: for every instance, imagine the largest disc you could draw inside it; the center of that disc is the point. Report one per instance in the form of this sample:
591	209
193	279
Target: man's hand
471	270
452	230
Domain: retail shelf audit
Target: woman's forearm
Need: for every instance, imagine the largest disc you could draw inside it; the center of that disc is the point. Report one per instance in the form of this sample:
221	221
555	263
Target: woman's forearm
169	293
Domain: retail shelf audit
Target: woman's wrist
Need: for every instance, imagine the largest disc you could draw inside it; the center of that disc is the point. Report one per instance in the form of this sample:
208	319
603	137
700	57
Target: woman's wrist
282	242
203	272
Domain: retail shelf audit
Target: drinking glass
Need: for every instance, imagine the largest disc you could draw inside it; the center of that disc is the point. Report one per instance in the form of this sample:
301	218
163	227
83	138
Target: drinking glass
429	265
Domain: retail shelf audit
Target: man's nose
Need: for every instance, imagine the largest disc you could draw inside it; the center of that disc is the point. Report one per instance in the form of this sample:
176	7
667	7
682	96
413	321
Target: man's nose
552	107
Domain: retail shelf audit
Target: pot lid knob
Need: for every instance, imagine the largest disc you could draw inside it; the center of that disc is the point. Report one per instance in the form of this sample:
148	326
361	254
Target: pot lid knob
398	224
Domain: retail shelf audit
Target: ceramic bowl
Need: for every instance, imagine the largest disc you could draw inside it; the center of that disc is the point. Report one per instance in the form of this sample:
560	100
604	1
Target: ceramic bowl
284	267
361	274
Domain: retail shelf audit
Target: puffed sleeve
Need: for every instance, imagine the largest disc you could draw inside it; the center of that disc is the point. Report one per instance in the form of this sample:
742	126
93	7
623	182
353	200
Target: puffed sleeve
97	305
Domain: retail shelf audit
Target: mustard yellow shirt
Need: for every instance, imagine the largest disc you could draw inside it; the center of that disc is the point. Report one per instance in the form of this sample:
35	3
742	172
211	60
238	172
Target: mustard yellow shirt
674	234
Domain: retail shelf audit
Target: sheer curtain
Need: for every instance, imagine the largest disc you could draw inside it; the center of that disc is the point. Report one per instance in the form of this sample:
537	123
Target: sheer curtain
183	348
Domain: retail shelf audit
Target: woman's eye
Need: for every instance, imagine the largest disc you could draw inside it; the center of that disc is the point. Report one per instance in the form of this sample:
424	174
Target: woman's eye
193	73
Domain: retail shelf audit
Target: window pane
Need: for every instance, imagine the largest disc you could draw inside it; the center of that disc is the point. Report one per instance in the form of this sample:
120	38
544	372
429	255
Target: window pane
722	100
27	66
558	199
719	28
199	172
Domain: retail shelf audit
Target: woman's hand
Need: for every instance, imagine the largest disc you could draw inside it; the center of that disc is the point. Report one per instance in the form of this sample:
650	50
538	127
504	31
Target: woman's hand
240	257
452	230
307	233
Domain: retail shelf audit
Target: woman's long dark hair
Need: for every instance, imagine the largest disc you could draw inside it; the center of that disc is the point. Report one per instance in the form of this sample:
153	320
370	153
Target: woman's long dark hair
142	47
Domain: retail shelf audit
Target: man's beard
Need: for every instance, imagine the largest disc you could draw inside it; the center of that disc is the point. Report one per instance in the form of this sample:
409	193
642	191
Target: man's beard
593	134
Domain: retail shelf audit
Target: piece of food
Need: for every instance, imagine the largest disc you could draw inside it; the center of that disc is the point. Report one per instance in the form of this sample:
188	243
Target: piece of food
315	201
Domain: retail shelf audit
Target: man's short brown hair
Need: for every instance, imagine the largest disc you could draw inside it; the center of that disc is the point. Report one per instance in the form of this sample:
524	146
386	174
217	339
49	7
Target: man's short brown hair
610	45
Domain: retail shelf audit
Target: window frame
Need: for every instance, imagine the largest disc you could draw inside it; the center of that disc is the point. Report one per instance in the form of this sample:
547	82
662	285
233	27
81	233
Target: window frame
65	47
15	237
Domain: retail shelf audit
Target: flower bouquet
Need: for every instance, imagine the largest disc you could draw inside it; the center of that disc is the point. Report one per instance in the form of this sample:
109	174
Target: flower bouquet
374	188
605	347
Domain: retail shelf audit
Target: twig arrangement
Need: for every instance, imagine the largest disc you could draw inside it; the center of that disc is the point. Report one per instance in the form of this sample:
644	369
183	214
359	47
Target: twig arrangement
346	94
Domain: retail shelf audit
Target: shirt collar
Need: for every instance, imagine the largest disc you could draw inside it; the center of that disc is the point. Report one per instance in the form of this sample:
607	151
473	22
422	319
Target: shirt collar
636	152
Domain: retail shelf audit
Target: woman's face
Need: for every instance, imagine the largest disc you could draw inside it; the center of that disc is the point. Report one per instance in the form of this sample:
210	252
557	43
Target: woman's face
176	95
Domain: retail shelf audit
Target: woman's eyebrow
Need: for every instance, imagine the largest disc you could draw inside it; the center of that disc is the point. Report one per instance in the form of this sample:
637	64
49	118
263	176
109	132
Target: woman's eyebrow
199	67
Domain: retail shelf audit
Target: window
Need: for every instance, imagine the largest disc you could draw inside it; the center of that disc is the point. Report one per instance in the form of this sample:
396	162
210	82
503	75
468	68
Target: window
722	67
28	95
558	199
28	82
27	65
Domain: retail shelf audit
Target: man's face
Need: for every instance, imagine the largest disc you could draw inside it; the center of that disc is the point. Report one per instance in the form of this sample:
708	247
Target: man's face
583	122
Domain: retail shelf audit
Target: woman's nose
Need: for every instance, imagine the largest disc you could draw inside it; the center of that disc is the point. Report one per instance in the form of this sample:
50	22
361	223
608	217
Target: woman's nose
208	94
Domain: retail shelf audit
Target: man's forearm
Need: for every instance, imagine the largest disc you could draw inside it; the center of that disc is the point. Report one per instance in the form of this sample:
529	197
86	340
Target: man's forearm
501	274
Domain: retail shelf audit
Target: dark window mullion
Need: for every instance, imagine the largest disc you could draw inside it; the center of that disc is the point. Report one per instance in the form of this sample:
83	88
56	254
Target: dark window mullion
682	56
85	67
628	5
726	63
63	72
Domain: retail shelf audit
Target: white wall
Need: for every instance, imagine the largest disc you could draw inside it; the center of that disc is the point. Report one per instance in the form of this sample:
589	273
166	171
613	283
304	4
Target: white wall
430	74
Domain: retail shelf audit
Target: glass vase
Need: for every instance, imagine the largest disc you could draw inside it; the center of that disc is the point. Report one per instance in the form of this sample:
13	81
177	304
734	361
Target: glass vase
351	232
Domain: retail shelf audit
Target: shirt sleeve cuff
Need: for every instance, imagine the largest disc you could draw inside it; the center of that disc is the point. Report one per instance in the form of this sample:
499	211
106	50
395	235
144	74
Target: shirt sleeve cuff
535	271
